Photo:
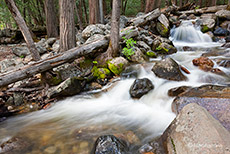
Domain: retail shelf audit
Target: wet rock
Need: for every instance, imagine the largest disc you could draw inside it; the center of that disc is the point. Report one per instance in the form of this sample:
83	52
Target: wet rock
225	24
173	19
151	54
109	144
221	32
203	63
69	87
138	56
163	25
56	46
216	99
187	48
14	145
191	17
165	48
21	51
168	69
226	45
94	38
130	72
101	73
140	87
117	65
224	63
223	14
207	25
195	131
50	150
183	17
178	90
143	46
93	29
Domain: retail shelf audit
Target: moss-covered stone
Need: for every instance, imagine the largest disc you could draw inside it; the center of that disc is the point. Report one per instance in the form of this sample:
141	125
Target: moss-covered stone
162	29
117	65
151	54
165	48
52	79
101	73
205	28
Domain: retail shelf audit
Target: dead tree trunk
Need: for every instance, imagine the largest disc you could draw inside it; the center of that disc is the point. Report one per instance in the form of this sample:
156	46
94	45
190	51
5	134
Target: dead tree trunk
67	25
51	19
24	29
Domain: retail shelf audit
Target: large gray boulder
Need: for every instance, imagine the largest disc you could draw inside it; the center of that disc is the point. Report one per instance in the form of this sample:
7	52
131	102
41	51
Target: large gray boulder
163	25
216	99
168	69
94	38
21	51
207	25
138	56
223	14
93	29
195	131
117	65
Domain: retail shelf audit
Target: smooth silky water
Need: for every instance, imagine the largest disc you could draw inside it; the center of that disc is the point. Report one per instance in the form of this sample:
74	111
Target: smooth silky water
72	125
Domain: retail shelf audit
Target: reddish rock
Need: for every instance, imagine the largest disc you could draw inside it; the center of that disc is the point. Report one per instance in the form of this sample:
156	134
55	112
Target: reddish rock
203	63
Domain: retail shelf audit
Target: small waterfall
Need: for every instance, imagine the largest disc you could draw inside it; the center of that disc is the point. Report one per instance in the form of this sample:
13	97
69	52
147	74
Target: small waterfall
188	34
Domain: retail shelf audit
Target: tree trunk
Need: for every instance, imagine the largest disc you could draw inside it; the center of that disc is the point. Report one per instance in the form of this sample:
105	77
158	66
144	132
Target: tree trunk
78	18
201	3
85	10
101	12
51	19
24	29
159	4
67	25
149	5
142	5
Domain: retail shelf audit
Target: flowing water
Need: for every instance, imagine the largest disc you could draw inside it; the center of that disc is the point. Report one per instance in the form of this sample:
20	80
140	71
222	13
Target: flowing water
72	125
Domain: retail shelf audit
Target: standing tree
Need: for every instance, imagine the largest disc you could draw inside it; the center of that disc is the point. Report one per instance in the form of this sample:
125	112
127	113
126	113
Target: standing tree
51	19
93	11
149	6
67	25
24	29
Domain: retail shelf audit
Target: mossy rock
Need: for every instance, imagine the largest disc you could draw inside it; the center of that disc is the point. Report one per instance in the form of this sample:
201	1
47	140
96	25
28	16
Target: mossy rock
52	79
165	48
164	31
117	65
204	28
101	73
151	54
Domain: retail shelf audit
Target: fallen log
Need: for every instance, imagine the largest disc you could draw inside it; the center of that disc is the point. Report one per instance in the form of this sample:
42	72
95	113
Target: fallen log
212	9
142	20
49	63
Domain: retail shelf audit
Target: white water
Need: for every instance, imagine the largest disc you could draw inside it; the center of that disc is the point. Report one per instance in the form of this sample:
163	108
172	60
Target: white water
148	117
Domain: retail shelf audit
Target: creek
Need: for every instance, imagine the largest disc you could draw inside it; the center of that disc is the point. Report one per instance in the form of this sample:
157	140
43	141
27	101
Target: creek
72	125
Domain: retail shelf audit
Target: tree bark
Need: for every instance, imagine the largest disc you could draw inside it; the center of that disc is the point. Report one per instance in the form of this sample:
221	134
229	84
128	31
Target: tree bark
142	5
51	19
78	18
67	25
24	29
150	5
85	10
212	9
101	12
47	64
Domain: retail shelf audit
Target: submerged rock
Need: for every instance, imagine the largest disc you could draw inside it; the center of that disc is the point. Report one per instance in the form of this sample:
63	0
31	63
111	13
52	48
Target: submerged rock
140	87
216	99
168	69
109	144
117	65
14	145
195	131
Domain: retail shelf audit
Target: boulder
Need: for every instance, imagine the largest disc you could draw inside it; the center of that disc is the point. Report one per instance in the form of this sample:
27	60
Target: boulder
109	144
151	54
93	29
50	41
223	14
195	131
207	25
94	38
216	99
168	69
163	25
221	32
101	73
138	56
165	48
123	21
140	87
177	90
117	65
143	46
203	63
56	46
7	64
21	51
208	16
41	46
69	87
225	24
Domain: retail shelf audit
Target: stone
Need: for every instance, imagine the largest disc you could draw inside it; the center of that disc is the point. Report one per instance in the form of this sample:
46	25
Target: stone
94	38
203	63
50	41
109	144
208	16
224	63
69	87
101	73
138	56
151	54
195	131
93	29
191	17
21	51
163	25
207	25
130	72
140	87
183	16
6	64
117	65
177	90
56	46
50	150
225	24
41	46
221	32
143	46
18	98
216	99
168	69
15	145
165	48
123	21
223	14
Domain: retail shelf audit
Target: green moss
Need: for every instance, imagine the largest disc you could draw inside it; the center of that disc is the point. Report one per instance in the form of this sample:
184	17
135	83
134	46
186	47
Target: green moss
173	144
151	54
205	28
100	73
86	63
162	29
162	50
116	69
55	80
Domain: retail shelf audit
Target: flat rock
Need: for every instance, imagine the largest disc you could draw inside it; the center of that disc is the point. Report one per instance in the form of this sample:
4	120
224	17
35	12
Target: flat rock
216	99
195	131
